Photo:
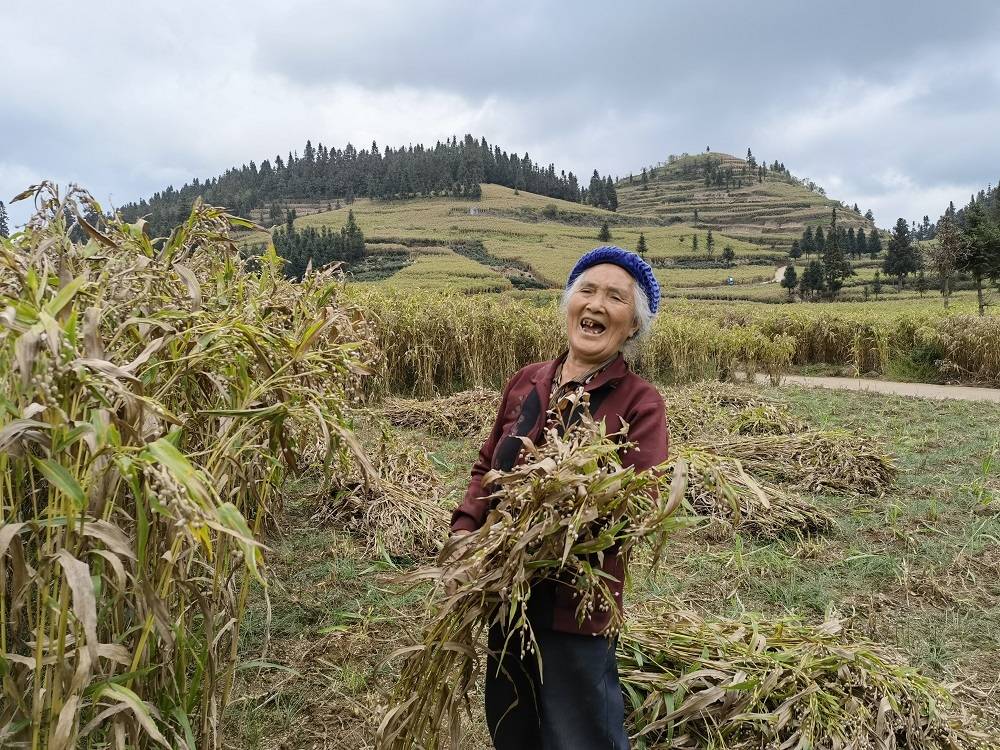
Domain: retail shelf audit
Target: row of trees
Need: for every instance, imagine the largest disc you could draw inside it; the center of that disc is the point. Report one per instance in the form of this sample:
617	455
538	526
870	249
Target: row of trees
854	244
965	241
602	192
823	276
968	241
453	168
317	246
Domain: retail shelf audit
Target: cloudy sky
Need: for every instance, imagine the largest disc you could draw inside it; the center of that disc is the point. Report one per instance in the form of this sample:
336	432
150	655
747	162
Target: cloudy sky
892	104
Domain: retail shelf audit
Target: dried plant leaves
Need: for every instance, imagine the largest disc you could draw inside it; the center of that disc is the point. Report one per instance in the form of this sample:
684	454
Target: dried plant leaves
693	681
155	395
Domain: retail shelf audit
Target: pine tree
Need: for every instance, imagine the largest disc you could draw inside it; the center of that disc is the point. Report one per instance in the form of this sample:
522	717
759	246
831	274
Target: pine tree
694	242
795	251
610	194
728	255
4	225
644	179
981	256
819	241
605	234
874	244
945	253
808	241
640	248
836	267
901	257
275	213
861	243
877	285
812	282
710	243
921	283
790	280
870	216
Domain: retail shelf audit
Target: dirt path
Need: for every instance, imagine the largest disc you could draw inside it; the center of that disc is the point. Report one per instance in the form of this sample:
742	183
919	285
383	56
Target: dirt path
919	390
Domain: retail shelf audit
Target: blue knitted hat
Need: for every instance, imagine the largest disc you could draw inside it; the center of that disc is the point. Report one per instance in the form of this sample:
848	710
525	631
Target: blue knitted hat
636	266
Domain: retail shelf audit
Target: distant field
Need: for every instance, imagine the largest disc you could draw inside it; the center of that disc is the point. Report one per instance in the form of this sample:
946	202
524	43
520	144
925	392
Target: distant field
441	269
548	234
708	277
543	237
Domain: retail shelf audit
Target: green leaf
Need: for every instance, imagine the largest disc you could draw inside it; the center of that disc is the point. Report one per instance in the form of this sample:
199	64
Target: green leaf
59	476
185	723
166	454
64	296
233	522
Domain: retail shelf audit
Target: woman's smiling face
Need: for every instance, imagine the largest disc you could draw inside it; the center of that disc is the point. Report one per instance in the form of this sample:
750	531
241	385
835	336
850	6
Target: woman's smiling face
600	314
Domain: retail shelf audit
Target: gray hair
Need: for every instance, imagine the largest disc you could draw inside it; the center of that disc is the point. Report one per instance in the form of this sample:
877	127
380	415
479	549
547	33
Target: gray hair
643	315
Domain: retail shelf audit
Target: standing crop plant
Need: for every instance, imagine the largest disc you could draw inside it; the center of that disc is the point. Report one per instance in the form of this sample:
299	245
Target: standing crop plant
553	517
153	395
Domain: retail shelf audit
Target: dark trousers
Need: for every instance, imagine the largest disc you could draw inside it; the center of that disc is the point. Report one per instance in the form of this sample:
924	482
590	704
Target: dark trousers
577	706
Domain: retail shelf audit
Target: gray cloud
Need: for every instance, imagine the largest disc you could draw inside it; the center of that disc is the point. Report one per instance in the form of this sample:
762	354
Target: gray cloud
893	104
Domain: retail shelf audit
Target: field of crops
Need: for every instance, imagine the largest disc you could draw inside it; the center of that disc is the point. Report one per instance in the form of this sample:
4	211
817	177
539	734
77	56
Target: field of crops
479	341
214	479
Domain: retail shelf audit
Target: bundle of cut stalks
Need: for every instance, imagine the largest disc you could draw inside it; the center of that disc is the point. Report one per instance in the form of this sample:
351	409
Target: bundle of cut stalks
818	461
701	411
467	414
719	487
745	684
395	508
552	517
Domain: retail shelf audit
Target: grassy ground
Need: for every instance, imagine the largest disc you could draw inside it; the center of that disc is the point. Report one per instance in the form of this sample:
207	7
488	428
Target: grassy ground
918	569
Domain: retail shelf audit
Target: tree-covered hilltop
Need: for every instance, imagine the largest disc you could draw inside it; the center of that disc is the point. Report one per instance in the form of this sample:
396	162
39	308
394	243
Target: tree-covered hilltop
453	168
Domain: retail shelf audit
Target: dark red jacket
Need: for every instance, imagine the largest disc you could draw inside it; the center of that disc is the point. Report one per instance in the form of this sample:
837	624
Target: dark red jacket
616	394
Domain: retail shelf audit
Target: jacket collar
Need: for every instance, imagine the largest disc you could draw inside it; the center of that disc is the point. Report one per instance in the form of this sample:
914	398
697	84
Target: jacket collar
611	374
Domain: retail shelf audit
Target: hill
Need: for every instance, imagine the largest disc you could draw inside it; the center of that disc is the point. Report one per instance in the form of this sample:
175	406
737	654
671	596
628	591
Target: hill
725	193
514	238
454	168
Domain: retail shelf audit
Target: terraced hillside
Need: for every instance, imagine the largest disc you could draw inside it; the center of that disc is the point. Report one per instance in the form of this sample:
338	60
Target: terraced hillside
772	212
530	241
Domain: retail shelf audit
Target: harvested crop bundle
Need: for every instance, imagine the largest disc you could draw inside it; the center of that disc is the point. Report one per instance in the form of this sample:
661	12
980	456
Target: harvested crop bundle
818	461
553	515
467	414
718	486
396	509
694	683
701	411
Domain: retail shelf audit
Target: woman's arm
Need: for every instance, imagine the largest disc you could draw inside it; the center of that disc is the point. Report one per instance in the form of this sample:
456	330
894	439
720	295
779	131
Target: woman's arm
647	428
471	512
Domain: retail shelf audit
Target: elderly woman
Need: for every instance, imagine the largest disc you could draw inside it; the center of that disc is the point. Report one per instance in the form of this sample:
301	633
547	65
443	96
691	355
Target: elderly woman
609	302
